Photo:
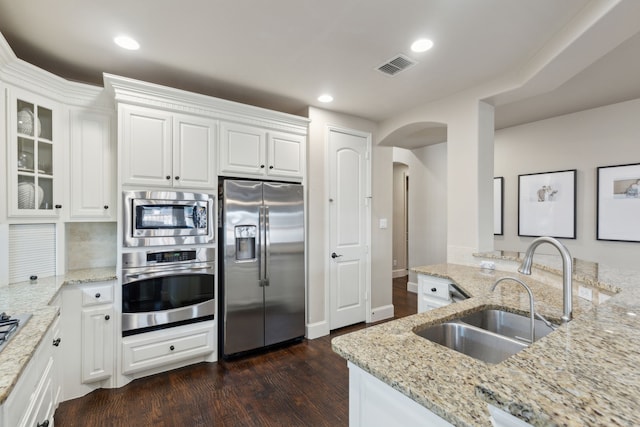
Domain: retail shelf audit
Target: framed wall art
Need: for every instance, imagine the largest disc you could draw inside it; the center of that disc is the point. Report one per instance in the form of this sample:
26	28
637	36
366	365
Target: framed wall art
547	204
618	206
498	205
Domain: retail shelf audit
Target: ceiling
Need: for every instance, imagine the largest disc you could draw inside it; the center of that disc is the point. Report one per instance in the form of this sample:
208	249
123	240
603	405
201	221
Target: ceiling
283	54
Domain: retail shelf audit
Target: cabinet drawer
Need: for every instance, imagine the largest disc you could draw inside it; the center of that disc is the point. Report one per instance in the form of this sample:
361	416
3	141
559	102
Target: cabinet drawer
42	407
166	346
19	405
435	287
92	295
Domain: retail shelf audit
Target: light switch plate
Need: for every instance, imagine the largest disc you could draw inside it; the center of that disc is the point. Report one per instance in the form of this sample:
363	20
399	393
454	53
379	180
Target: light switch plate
383	223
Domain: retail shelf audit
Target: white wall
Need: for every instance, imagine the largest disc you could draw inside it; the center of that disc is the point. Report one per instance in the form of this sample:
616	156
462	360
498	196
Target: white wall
427	204
381	240
469	168
400	174
603	136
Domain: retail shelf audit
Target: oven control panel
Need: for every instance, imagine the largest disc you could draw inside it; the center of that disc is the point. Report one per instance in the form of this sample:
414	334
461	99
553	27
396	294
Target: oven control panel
181	256
170	256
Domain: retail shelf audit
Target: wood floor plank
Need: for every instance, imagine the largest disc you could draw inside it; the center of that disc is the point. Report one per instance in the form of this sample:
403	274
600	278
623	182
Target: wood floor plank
303	384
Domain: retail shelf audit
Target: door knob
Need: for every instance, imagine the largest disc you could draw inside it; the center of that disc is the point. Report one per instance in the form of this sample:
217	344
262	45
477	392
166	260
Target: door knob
335	255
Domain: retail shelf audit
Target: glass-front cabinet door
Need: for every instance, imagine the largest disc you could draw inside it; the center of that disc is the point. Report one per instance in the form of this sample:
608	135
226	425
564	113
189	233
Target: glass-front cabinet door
33	164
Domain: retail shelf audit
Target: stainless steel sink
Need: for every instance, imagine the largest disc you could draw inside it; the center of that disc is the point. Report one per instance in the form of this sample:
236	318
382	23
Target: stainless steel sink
487	335
505	323
475	342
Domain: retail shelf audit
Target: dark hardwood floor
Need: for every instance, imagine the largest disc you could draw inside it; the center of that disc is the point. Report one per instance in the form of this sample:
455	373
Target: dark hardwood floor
303	384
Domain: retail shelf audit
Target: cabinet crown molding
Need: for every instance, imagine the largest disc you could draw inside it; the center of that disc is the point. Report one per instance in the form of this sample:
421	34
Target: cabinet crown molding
19	73
131	91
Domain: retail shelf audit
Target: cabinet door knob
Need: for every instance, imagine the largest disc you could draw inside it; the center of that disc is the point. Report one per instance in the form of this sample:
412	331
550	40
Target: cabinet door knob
261	166
107	317
56	342
58	206
433	289
168	176
106	207
270	167
177	178
98	295
45	423
172	348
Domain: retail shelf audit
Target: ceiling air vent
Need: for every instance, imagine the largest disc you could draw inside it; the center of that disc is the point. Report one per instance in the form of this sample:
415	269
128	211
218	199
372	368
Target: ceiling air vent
396	64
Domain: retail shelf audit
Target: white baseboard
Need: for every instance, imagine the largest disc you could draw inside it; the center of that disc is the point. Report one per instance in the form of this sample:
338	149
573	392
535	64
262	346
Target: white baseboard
317	330
382	313
412	287
399	273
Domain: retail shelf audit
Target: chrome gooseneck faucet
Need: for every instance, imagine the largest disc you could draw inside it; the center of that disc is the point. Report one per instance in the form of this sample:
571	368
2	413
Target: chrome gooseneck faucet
532	312
567	271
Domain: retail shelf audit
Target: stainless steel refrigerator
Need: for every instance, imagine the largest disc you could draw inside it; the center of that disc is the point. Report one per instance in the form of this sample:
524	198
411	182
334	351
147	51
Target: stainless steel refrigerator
262	274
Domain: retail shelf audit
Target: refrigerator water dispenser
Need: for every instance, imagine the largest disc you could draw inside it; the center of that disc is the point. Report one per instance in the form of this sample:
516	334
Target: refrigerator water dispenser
245	242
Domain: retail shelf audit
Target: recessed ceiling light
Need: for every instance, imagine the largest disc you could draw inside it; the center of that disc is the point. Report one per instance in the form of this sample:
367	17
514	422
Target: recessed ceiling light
421	45
126	42
325	98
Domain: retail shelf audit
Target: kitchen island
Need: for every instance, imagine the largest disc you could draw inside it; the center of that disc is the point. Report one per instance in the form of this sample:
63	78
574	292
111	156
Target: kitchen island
582	374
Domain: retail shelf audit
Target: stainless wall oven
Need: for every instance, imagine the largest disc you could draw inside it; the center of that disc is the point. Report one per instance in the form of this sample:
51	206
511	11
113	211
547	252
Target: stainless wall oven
166	288
152	218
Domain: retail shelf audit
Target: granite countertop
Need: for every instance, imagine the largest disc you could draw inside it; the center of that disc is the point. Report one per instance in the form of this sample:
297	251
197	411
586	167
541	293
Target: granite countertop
582	374
35	298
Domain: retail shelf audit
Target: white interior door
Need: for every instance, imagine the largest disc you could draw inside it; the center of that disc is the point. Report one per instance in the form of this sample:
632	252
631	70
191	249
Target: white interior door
349	212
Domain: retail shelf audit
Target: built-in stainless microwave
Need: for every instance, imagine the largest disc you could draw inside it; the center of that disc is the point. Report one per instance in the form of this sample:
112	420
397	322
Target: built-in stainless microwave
164	218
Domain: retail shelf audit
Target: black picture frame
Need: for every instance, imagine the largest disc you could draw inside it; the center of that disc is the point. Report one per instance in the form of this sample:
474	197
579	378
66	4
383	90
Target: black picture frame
547	204
498	206
618	203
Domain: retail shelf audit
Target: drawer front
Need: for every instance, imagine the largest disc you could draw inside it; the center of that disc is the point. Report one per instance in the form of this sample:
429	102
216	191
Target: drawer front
43	405
434	287
20	403
93	295
160	348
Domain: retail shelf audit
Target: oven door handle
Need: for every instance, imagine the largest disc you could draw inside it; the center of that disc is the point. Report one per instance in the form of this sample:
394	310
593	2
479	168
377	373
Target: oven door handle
168	272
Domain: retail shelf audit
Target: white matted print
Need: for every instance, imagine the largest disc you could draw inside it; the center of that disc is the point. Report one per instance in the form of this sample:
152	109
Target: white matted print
498	205
547	204
619	203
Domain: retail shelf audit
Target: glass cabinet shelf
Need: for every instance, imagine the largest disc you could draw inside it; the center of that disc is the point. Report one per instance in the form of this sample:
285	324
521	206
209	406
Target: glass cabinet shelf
34	156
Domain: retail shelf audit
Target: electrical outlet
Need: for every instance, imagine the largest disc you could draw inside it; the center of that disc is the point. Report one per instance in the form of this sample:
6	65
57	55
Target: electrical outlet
585	293
488	265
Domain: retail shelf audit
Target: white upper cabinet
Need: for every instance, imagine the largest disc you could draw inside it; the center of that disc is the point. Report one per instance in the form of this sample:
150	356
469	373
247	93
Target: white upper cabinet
166	150
194	152
92	166
255	151
286	154
35	151
242	149
146	149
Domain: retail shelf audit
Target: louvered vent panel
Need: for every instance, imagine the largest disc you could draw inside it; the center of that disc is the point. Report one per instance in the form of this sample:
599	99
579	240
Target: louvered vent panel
32	251
396	64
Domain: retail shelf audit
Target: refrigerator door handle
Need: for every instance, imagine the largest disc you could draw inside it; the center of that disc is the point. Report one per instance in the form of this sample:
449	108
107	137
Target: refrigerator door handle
261	247
267	246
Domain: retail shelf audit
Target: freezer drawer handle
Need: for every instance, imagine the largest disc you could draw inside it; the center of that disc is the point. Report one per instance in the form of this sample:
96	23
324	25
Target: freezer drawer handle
335	255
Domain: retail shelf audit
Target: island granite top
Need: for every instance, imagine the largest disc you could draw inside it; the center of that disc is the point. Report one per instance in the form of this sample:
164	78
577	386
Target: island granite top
582	374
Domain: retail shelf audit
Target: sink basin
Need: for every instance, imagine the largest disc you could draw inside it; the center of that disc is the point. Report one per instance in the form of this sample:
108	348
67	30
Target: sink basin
505	323
472	341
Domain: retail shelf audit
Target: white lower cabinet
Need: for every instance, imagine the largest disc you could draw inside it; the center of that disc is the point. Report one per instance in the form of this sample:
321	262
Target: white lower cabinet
166	347
89	325
433	292
372	403
97	343
33	399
